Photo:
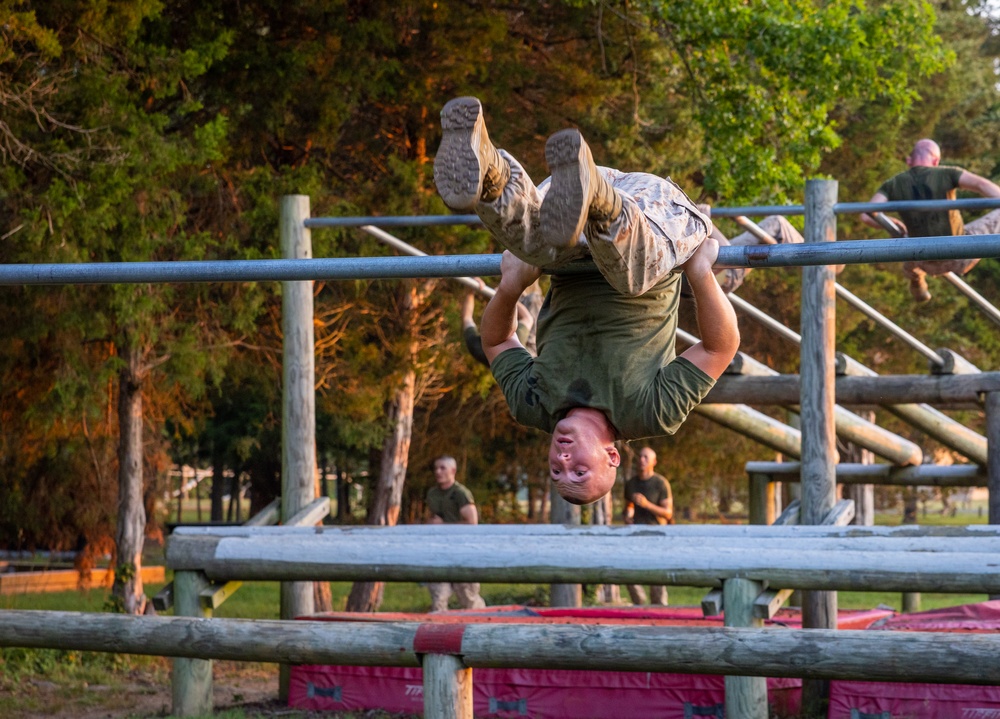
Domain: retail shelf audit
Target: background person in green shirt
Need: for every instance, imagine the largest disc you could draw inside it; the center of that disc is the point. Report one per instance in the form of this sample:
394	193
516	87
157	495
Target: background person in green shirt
452	503
927	179
606	368
648	500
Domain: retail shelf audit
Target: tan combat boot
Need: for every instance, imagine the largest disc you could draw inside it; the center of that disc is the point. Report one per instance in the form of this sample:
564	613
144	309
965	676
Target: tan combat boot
578	194
467	168
918	288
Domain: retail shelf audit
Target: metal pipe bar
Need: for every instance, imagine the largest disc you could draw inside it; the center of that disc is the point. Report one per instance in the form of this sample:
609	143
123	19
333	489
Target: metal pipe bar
883	321
354	268
860	251
981	302
398	244
974	203
754	229
978	203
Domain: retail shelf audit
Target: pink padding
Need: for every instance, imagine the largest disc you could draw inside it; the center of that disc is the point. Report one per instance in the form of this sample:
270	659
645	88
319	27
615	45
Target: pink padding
913	701
439	639
980	617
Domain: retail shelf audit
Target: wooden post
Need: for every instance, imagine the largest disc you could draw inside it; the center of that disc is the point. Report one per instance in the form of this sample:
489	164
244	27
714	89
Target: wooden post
191	679
298	425
562	512
447	687
745	696
819	452
761	499
993	458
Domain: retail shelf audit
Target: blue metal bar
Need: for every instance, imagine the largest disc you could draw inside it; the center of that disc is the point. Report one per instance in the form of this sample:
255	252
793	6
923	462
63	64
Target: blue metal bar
853	252
398	221
842	208
353	268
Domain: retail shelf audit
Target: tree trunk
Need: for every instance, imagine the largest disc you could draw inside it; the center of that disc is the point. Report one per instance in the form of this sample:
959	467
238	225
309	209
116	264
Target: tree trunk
367	596
218	483
127	592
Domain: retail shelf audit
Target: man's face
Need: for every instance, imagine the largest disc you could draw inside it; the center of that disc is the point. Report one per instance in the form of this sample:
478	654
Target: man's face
647	460
578	464
444	474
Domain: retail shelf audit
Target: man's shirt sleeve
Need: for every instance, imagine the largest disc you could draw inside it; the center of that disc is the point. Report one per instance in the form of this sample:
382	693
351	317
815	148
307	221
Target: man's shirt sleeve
680	387
512	370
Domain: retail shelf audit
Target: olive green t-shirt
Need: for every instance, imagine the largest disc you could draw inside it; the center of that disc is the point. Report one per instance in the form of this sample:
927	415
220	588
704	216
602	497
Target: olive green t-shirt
655	488
927	183
607	351
448	503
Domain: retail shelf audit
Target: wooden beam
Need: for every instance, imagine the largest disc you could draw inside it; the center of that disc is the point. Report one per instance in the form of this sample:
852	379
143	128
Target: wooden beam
596	560
712	603
270	514
944	391
767	604
790	515
212	596
311	514
954	475
843	654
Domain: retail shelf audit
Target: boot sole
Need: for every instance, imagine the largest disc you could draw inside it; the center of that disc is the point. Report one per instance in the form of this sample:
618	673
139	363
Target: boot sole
564	210
457	169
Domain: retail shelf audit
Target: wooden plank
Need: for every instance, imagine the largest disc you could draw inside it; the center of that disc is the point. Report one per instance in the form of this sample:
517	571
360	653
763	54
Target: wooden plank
767	604
790	514
163	600
191	678
270	514
942	391
447	688
311	514
754	424
745	696
712	603
598	561
444	531
212	596
841	515
65	580
833	654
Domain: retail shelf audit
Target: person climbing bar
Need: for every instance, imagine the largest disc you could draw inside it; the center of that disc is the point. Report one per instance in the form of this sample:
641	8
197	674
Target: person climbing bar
606	368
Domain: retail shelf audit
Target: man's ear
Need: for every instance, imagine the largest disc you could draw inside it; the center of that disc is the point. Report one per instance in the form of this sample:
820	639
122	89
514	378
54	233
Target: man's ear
613	456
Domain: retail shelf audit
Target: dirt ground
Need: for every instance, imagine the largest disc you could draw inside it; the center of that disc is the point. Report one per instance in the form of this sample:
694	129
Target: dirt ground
142	694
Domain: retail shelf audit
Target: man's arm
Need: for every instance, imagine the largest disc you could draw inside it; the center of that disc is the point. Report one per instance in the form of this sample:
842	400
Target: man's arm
872	222
664	510
720	334
469	514
499	323
975	183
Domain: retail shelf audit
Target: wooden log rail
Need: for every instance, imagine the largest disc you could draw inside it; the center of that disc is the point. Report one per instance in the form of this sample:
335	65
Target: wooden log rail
863	564
955	475
832	654
965	391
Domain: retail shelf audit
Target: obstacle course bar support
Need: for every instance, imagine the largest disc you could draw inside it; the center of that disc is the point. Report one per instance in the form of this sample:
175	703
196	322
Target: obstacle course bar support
355	268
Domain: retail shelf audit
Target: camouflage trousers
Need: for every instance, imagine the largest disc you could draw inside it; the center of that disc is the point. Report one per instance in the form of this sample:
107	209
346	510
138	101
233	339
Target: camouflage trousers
657	595
467	593
988	224
658	229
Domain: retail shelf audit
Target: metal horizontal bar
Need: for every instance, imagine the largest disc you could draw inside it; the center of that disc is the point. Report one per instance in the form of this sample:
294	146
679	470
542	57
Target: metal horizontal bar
353	268
852	252
394	221
973	203
976	203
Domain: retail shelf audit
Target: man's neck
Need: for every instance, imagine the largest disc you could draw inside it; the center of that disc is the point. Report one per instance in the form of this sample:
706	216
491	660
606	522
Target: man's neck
448	485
